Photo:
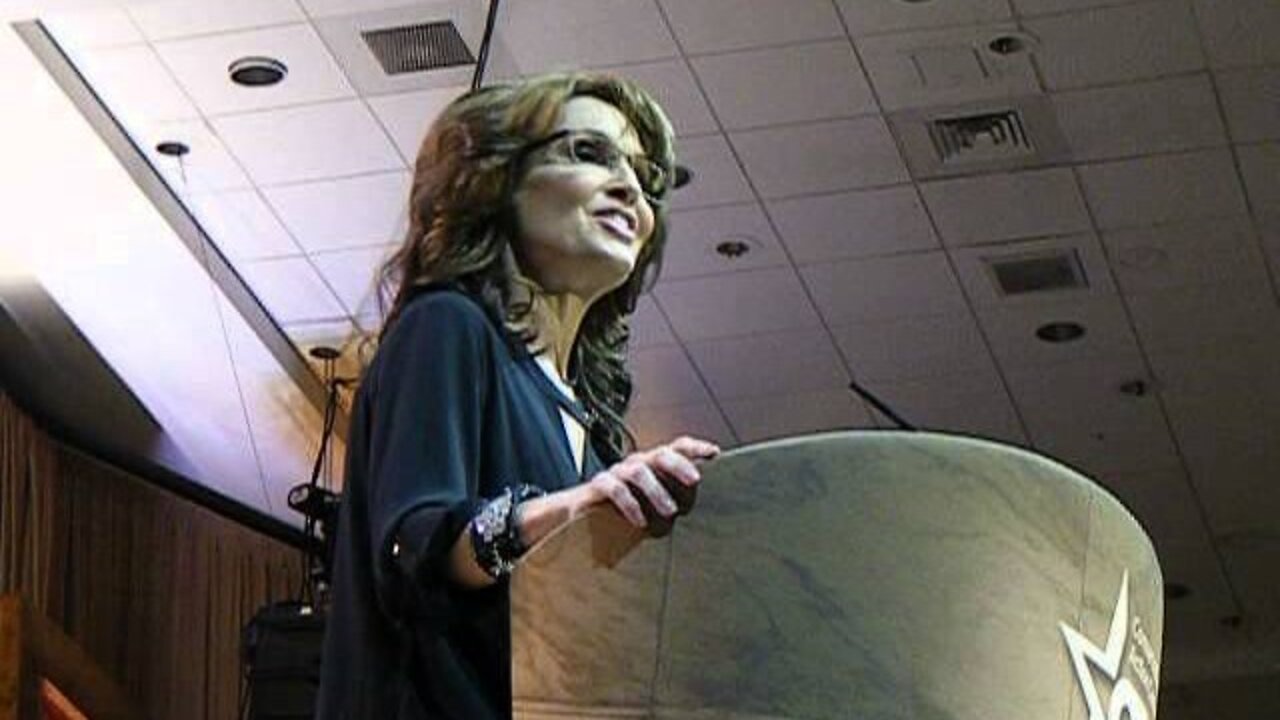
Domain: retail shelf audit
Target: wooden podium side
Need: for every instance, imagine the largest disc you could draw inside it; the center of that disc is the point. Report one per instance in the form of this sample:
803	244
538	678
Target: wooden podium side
870	575
43	674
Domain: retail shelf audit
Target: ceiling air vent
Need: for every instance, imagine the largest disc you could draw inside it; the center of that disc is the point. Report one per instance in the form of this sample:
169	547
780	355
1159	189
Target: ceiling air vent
980	138
984	136
1041	272
419	47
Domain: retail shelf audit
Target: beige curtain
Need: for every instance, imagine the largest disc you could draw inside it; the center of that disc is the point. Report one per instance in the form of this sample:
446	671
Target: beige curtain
154	587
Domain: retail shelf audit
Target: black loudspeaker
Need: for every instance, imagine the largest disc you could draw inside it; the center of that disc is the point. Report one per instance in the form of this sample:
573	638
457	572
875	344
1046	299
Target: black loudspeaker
281	653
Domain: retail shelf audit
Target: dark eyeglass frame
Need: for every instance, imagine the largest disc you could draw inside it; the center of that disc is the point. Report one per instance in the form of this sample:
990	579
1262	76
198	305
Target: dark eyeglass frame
642	166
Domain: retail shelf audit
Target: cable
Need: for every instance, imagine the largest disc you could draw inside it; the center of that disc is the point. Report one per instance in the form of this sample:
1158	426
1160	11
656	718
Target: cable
888	412
483	57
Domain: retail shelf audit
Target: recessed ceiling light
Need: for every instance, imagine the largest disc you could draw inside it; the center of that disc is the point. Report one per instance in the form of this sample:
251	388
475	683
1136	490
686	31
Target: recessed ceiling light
683	176
257	71
733	248
172	148
1060	332
1011	43
1135	388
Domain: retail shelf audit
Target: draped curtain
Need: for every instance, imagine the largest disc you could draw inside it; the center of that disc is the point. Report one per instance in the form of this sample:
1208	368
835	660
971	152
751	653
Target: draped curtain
154	587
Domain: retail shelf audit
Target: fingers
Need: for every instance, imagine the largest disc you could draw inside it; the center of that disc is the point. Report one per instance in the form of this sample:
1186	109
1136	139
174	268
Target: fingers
694	448
649	488
671	463
617	492
637	472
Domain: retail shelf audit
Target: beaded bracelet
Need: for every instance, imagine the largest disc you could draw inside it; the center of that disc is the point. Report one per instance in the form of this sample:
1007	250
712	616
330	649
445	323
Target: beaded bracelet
495	531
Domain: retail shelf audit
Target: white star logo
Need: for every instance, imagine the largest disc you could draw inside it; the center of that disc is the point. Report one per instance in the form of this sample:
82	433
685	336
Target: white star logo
1124	695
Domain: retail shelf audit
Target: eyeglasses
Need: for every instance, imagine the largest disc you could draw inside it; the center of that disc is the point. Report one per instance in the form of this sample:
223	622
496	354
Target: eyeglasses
596	148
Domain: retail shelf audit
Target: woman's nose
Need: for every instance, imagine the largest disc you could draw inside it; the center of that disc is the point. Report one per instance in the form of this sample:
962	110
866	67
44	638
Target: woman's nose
624	187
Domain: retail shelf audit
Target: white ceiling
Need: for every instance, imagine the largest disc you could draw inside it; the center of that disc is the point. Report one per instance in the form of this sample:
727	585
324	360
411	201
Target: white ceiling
1170	196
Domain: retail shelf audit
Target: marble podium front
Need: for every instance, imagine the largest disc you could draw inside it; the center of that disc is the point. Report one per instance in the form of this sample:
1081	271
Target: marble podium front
875	575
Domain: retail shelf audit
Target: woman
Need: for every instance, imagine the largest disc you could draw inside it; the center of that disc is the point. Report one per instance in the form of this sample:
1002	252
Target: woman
492	412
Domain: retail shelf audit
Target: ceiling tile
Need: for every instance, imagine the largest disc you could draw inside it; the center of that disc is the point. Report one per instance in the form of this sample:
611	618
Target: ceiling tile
662	424
772	363
916	347
544	35
804	83
673	85
820	157
200	65
663	375
1270	231
1163	116
1228	372
781	416
1028	8
755	301
352	273
717	178
1260	167
1251	561
945	67
863	223
1108	45
1236	483
694	235
280	146
1240	32
1166	188
704	26
977	276
1223	399
1076	413
346	213
971	404
1162	501
868	17
134	85
207	167
1193	624
1006	206
291	290
82	29
169	19
1250	104
328	8
329	333
886	287
1196	316
407	116
242	225
649	325
1206	252
1012	332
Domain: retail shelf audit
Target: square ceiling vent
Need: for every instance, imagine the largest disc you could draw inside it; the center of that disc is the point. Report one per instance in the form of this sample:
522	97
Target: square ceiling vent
1009	134
424	46
1048	271
418	47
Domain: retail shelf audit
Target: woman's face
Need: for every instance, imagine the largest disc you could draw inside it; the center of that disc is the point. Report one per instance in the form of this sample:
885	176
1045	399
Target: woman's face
581	224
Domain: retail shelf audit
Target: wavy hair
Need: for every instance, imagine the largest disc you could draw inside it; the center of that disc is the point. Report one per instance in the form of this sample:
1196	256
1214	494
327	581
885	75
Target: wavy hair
462	226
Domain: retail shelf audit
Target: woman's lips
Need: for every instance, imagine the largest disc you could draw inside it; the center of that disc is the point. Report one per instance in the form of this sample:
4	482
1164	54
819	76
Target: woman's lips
617	226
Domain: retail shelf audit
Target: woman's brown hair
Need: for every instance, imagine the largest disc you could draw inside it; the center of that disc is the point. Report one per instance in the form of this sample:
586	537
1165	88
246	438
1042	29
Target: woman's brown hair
461	226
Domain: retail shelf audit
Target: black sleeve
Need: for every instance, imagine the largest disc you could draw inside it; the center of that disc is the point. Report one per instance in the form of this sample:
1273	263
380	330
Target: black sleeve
434	373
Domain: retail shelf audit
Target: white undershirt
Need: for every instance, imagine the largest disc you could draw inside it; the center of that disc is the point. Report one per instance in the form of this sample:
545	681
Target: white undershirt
572	428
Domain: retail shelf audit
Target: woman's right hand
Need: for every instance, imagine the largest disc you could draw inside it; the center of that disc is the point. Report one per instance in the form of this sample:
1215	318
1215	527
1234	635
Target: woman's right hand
663	478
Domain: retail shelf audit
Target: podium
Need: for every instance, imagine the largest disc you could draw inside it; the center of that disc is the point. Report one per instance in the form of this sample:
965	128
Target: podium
877	575
45	675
